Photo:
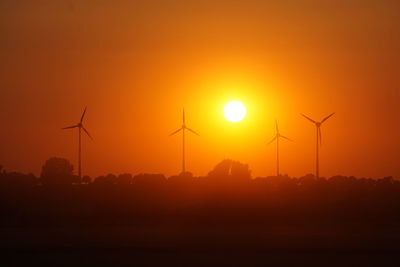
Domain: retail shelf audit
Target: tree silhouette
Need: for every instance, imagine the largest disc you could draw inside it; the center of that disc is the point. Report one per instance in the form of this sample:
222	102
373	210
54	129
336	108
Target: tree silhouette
222	169
109	179
230	171
86	179
58	171
124	179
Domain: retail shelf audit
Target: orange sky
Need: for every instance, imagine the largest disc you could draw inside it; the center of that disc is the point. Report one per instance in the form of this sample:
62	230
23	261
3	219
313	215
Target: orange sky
135	64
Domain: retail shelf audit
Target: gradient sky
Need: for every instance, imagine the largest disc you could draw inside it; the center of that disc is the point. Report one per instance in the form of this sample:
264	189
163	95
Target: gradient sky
135	64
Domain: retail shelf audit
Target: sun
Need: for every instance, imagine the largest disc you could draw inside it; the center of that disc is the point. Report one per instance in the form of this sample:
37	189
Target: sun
234	111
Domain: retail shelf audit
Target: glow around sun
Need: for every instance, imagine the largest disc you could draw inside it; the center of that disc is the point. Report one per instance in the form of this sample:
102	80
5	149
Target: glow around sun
234	111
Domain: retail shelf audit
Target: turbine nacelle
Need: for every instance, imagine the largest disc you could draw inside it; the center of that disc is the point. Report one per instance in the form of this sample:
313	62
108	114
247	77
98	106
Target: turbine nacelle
184	127
318	125
278	135
80	125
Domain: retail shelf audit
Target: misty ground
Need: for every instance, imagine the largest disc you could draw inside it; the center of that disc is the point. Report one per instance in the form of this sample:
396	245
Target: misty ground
200	246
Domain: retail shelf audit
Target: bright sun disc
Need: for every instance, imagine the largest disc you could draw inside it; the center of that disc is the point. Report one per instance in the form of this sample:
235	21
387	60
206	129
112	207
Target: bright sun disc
234	111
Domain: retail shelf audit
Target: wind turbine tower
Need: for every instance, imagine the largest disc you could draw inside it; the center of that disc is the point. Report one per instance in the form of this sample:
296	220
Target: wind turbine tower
80	127
183	129
319	139
277	137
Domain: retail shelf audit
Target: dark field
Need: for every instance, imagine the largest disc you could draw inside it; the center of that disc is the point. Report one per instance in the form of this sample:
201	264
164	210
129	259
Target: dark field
199	246
224	219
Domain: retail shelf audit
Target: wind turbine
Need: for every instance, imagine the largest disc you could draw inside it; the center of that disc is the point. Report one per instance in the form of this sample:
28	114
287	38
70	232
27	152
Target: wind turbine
80	128
319	138
277	136
183	128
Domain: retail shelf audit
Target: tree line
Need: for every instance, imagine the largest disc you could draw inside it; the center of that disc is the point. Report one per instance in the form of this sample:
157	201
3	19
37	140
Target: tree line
227	195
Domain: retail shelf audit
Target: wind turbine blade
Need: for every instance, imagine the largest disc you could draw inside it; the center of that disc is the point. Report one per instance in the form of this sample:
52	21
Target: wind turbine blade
87	132
286	138
176	131
320	136
183	117
83	115
192	131
277	128
70	127
327	117
313	121
272	140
